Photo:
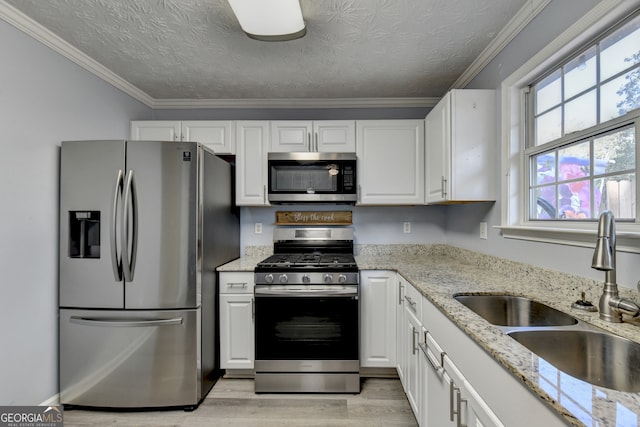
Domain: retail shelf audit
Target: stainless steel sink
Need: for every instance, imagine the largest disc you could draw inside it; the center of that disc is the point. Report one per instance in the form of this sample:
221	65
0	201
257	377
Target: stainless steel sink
509	310
598	358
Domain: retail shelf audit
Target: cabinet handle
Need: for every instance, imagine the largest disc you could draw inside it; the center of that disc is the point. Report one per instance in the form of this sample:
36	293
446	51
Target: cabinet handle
413	338
317	142
359	195
400	293
459	400
411	302
239	284
264	194
253	308
309	144
443	184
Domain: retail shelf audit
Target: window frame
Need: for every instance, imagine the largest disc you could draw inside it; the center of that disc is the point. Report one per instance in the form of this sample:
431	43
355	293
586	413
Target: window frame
515	191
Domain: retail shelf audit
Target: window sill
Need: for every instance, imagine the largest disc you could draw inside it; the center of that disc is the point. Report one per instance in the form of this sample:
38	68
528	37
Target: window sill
627	235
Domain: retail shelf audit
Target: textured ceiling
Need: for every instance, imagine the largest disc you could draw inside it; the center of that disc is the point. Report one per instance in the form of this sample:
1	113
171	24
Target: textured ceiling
194	49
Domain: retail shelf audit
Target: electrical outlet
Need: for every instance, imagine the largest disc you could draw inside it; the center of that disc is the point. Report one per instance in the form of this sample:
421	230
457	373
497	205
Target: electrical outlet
258	228
406	227
483	230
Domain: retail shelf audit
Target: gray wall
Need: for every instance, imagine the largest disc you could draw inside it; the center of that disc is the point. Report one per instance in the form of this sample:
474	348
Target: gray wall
463	221
372	225
44	99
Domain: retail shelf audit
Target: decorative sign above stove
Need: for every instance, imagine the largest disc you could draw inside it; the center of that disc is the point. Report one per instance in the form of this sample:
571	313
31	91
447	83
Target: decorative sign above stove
313	218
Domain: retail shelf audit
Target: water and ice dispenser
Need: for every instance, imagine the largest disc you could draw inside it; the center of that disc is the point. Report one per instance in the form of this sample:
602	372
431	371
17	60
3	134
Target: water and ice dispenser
84	234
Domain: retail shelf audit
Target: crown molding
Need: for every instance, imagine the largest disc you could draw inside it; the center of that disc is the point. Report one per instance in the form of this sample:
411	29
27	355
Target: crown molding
296	103
526	14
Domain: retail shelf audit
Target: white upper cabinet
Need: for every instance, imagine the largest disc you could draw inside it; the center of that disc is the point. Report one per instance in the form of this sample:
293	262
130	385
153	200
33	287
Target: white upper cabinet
252	144
218	135
338	136
460	142
390	162
155	130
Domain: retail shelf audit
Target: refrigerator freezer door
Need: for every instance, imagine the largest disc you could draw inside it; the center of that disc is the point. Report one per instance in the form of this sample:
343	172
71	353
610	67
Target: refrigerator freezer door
89	172
162	180
122	359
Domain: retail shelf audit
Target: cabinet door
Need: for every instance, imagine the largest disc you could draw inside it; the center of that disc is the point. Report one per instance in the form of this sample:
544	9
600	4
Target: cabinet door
437	139
460	147
218	135
378	319
155	130
401	348
437	401
252	144
390	162
413	329
236	331
337	136
291	135
473	150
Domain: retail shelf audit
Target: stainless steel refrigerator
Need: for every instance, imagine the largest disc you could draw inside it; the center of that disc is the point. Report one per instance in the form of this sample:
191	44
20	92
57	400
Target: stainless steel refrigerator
143	226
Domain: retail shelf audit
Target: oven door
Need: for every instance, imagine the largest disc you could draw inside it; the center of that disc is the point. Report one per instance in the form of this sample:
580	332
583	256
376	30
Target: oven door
305	323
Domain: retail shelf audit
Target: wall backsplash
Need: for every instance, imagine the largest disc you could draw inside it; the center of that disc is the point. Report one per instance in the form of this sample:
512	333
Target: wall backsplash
372	224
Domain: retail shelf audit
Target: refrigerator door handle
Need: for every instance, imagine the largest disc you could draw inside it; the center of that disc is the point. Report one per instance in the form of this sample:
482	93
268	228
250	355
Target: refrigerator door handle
116	260
129	238
88	321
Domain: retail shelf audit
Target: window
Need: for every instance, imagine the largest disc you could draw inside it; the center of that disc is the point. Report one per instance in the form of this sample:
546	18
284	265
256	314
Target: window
570	124
580	143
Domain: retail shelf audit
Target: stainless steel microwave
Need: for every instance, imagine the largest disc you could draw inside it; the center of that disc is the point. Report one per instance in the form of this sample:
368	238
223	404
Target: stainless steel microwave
312	177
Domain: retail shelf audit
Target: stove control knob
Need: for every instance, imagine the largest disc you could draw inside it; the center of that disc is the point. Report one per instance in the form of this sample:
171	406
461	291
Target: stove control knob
268	278
283	278
328	278
306	279
342	278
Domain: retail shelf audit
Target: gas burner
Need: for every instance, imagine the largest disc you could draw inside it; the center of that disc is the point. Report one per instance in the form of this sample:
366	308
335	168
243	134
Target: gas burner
310	256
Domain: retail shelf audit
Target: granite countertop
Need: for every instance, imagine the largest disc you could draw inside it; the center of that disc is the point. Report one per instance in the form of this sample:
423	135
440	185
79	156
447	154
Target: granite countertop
440	271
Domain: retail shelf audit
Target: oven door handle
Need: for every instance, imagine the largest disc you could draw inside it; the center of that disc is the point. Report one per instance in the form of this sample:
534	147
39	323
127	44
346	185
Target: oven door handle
298	292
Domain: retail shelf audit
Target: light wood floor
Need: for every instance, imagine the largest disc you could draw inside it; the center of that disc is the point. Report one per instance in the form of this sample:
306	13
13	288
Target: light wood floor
232	402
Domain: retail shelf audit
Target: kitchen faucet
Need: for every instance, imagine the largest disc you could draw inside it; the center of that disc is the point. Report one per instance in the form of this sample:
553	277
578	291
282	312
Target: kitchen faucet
604	258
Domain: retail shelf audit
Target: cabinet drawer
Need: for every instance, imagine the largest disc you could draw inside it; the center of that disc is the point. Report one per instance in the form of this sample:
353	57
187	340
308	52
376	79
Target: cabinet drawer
236	283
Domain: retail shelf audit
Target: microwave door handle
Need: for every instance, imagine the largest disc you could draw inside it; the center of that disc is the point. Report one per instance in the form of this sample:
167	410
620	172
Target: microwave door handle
116	259
129	238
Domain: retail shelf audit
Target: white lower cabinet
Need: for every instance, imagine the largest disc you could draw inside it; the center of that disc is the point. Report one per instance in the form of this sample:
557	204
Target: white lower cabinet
236	320
412	388
378	290
448	399
458	373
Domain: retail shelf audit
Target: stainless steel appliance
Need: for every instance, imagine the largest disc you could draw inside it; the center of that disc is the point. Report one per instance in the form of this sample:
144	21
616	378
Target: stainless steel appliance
312	177
143	226
307	313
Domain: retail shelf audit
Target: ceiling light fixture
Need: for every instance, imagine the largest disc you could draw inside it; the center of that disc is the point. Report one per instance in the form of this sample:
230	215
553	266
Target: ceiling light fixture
270	20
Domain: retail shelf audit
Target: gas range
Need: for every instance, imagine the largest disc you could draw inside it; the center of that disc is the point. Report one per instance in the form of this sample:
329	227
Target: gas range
304	256
307	313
